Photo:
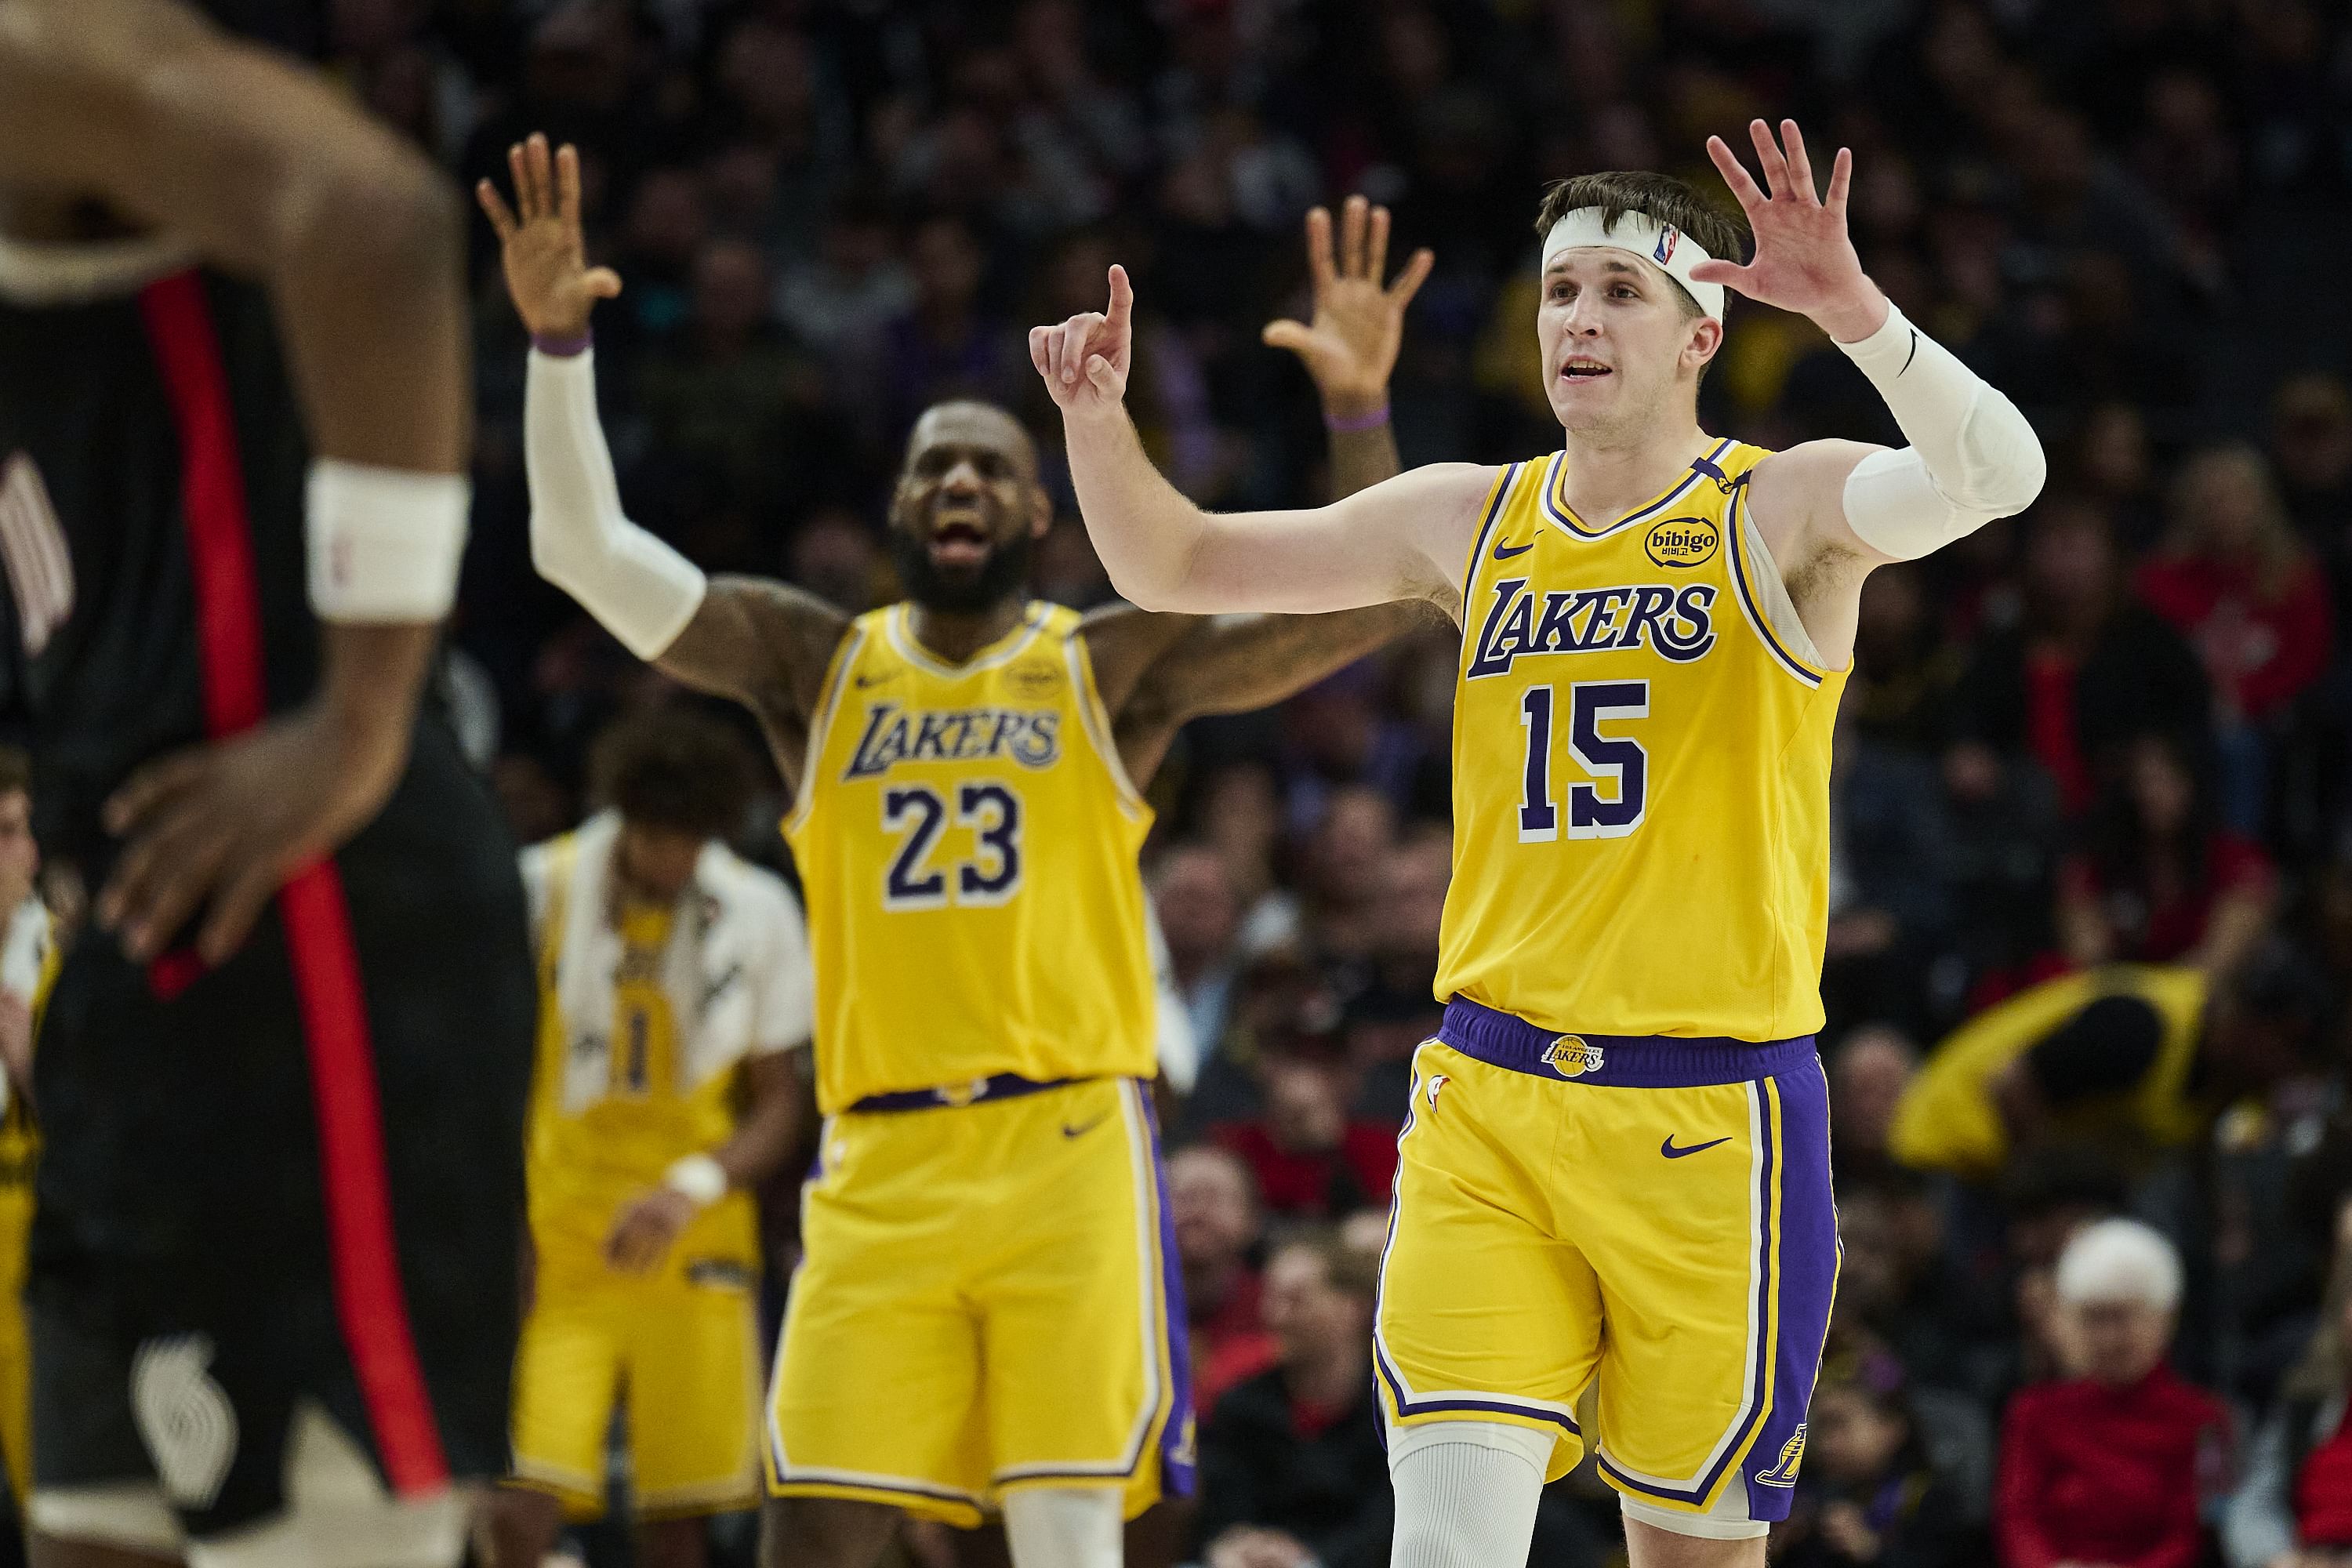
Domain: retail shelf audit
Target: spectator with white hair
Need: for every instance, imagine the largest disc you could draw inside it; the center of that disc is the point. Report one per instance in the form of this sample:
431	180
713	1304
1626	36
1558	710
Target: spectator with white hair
2112	1464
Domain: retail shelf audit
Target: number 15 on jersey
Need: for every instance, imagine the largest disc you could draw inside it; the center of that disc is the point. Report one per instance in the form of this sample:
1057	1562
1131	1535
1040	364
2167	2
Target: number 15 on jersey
1612	804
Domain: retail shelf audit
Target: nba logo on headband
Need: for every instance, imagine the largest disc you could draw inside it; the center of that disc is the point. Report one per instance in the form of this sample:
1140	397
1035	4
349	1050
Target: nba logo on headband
1665	250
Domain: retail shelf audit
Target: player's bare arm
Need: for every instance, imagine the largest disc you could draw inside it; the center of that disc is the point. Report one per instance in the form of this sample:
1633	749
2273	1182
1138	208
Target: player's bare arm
1832	511
774	1119
1403	538
259	168
1156	671
762	643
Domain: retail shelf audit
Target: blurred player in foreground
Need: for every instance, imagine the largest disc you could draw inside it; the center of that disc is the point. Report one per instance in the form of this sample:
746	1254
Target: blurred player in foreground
1617	1165
984	1320
283	1086
674	988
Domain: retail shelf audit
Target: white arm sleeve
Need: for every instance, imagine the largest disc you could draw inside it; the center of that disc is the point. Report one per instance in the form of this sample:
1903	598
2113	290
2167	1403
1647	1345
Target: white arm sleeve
1972	457
642	590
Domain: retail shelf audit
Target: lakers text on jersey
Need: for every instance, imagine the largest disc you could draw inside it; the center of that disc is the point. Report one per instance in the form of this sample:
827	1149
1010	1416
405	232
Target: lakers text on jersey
968	840
988	1257
1619	1142
1641	769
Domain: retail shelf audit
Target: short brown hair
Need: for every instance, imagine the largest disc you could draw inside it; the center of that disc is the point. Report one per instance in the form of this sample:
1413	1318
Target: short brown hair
15	770
1722	235
673	767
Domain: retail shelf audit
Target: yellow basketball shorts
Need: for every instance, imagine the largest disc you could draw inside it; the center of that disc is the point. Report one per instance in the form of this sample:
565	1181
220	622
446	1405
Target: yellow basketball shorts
987	1301
1654	1214
680	1353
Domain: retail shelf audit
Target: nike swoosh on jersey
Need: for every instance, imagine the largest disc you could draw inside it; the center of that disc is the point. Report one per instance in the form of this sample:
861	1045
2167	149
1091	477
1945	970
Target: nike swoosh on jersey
1505	552
1084	1128
1671	1152
866	681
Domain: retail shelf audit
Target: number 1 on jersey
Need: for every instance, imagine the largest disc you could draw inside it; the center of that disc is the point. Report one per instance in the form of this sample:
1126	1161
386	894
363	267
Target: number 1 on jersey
1615	760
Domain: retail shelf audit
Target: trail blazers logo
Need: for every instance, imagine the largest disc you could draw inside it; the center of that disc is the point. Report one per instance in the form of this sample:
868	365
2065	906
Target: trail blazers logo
33	549
186	1416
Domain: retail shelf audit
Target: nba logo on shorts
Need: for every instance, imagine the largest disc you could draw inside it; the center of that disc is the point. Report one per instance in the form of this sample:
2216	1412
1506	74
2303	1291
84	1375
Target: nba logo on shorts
1665	250
1570	1057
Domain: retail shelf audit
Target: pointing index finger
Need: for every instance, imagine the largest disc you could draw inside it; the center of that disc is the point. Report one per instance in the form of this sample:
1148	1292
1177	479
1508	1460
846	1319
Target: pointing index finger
1122	301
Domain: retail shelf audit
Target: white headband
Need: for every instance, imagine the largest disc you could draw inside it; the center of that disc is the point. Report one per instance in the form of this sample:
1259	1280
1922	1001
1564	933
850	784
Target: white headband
1638	234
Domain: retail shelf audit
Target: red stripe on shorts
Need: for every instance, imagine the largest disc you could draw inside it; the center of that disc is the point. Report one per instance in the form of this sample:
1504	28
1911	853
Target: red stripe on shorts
369	1300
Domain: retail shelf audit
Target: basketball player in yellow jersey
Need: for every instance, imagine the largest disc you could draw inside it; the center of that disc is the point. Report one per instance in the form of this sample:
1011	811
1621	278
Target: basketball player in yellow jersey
674	996
983	1319
1617	1165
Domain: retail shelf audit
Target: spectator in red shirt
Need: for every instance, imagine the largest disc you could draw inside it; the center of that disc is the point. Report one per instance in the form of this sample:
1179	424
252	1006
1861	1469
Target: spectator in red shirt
2085	670
1212	1206
1312	1160
2110	1465
2159	880
2294	1507
2233	579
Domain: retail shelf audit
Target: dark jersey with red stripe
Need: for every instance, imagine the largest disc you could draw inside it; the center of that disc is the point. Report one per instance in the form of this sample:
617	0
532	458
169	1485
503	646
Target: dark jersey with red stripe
102	665
334	1116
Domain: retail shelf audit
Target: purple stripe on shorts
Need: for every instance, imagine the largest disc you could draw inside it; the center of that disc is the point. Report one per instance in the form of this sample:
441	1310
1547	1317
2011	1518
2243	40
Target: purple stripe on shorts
1810	1251
1176	1457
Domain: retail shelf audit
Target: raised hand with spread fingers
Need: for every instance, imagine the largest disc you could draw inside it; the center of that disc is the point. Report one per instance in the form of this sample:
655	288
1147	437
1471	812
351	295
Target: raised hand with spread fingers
1349	341
1804	258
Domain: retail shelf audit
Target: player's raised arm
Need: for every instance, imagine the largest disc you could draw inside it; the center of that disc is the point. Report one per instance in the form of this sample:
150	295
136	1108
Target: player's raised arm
242	159
762	643
1157	671
1972	455
1400	540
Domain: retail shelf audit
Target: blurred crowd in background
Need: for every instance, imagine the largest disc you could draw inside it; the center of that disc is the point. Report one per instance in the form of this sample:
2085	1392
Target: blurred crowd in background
2111	731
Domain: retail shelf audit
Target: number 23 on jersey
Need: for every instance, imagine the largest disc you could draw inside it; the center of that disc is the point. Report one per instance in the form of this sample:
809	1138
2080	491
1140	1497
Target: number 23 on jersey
988	873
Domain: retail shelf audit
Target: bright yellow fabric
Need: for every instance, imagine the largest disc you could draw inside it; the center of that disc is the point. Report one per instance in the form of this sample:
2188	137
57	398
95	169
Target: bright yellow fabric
967	838
586	1167
1540	1244
982	1307
682	1355
1948	1121
20	1152
1695	902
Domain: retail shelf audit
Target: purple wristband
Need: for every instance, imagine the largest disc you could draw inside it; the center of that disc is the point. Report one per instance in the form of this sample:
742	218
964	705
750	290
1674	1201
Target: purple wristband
1357	424
562	348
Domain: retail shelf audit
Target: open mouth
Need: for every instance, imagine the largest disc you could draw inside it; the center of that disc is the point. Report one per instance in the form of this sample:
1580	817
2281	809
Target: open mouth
959	542
1582	370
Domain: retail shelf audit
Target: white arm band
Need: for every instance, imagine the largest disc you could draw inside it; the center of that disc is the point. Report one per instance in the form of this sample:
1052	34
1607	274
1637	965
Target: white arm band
1972	457
385	543
642	590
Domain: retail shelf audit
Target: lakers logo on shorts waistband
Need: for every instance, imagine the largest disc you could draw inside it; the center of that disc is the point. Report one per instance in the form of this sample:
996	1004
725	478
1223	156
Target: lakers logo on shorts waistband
1792	1454
1571	1056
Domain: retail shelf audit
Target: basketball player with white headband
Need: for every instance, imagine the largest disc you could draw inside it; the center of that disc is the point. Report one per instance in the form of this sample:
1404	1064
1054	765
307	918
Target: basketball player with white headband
1613	1194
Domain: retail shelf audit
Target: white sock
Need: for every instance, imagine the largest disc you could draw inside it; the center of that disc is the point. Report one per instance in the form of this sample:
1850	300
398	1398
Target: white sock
1064	1527
1465	1493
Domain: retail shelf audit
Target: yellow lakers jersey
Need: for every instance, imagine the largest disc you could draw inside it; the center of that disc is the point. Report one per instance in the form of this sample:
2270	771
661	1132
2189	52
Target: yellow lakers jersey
1641	768
586	1161
1949	1118
967	840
